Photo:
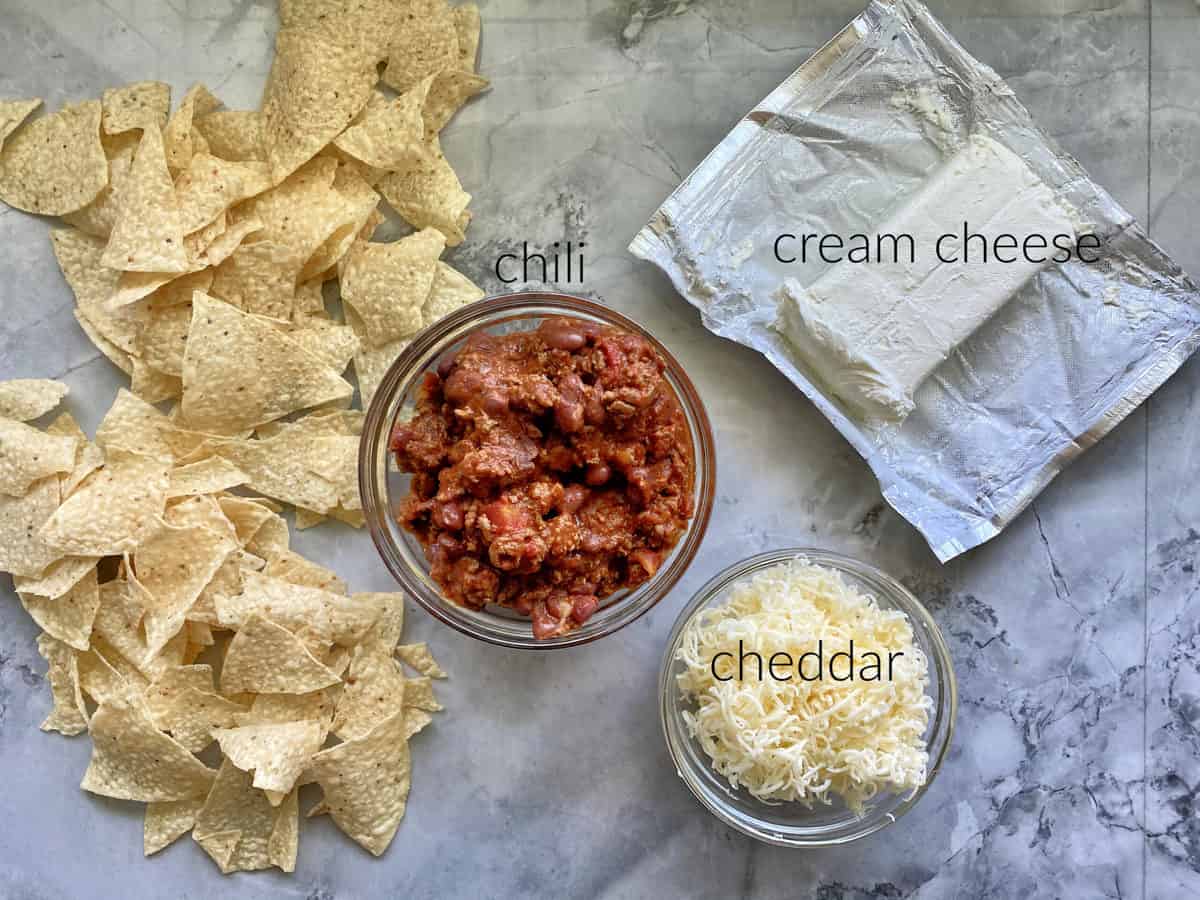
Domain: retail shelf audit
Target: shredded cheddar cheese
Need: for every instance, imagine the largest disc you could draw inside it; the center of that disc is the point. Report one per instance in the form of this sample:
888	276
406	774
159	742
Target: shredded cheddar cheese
805	738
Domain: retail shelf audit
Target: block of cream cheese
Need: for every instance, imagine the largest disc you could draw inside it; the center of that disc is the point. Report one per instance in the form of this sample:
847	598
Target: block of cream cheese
873	331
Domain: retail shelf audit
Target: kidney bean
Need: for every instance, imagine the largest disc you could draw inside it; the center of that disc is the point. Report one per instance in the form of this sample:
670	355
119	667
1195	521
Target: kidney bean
568	415
462	385
506	516
593	410
597	474
448	515
495	404
574	496
561	334
450	544
591	542
582	607
544	624
446	365
648	560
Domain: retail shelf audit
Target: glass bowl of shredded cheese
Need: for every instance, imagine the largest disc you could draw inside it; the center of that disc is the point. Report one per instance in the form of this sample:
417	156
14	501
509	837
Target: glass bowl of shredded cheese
807	698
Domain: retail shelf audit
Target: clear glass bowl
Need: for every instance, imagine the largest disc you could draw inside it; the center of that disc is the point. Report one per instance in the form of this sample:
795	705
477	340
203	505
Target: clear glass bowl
383	486
792	824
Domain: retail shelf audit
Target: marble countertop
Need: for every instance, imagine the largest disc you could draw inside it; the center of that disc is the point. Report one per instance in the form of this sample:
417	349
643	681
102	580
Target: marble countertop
1075	768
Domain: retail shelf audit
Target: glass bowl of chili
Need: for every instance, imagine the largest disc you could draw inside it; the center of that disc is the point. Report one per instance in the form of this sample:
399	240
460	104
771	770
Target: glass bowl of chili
385	486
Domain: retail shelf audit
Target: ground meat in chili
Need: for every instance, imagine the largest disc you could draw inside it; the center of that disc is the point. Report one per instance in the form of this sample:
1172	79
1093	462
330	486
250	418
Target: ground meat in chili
550	468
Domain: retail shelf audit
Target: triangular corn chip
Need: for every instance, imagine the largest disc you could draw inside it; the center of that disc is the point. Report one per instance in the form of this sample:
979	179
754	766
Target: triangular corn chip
236	824
68	618
265	658
56	164
28	454
387	284
26	399
69	716
276	753
147	235
337	618
165	823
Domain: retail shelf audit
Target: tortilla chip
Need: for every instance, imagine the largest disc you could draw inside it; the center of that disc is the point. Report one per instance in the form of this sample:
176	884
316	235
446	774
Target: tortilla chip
357	200
208	476
374	691
269	709
69	617
417	656
233	134
337	618
69	715
390	135
451	290
336	460
163	340
330	342
277	754
134	425
247	515
211	185
153	386
223	393
56	164
294	568
190	712
236	825
179	138
22	548
165	823
133	760
284	842
315	89
173	565
385	633
366	782
259	278
449	91
270	540
115	508
266	658
430	196
418	694
12	114
27	455
147	235
104	673
88	457
141	105
78	256
466	26
26	399
387	284
308	518
98	217
58	578
426	44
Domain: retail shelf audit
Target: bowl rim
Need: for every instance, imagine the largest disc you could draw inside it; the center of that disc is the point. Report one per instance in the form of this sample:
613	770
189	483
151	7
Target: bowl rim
941	728
454	327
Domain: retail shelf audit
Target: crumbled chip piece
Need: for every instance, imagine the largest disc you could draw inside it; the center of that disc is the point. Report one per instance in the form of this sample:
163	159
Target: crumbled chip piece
26	399
366	782
418	693
222	393
69	617
179	137
374	691
417	656
133	760
426	44
337	618
236	824
12	114
27	455
277	753
265	658
387	284
167	822
69	716
141	105
449	91
56	164
147	235
114	509
430	196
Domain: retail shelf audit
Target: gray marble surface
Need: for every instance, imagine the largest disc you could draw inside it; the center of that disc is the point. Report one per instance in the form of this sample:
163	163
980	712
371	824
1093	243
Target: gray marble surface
1074	771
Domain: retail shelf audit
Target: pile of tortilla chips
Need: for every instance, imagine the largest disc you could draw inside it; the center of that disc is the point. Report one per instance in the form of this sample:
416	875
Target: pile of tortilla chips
175	619
199	244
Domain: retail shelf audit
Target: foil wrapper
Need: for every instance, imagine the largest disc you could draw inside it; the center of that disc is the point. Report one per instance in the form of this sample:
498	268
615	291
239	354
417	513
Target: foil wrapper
836	147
